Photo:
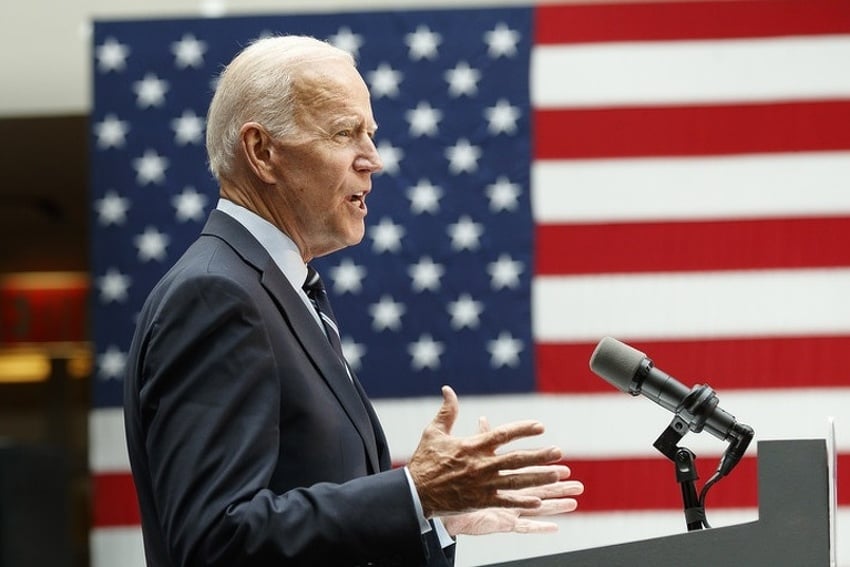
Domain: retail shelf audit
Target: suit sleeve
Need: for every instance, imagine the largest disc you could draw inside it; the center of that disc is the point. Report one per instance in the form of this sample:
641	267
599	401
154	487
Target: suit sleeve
210	411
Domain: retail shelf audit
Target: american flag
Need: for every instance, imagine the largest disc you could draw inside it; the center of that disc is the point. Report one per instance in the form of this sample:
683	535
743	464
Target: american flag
676	175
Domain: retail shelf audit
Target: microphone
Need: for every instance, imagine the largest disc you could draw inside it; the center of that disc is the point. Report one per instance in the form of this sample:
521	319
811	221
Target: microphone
631	371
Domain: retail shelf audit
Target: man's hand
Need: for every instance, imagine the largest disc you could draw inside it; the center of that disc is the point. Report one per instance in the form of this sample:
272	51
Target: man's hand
455	475
556	499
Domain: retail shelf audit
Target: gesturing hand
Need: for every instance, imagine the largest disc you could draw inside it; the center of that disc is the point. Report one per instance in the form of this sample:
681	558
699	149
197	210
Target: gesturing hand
455	474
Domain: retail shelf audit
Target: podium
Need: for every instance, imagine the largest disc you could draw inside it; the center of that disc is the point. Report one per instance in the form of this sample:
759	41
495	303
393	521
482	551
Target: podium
792	530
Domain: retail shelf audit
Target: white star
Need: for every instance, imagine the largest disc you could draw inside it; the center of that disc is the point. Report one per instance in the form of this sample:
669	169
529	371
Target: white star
504	351
463	80
386	314
189	204
111	132
113	286
424	197
504	272
111	363
463	157
423	43
150	91
353	352
465	234
503	195
386	236
384	81
188	52
348	277
426	275
502	117
423	120
425	353
501	41
346	40
112	209
465	312
188	128
111	55
151	244
150	168
391	156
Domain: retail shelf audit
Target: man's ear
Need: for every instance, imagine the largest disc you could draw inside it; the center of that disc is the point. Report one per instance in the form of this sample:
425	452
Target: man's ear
258	150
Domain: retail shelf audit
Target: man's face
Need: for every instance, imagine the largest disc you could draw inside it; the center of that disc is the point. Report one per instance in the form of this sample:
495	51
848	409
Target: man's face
325	170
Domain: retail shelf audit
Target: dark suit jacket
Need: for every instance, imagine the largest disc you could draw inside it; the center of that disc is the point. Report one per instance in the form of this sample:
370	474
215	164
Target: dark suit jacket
249	444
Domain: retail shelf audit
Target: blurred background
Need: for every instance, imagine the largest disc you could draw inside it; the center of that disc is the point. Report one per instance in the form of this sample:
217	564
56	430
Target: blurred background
688	174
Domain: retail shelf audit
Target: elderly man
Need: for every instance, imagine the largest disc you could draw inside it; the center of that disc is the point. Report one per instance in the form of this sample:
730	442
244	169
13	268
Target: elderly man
251	440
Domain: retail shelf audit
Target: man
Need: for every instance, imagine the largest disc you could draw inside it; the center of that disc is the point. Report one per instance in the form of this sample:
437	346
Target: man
250	439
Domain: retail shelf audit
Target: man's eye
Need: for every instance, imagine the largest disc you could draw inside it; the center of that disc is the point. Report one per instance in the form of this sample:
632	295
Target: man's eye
344	133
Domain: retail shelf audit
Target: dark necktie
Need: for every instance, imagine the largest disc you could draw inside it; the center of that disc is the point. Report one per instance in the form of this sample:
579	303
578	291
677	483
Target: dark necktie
319	297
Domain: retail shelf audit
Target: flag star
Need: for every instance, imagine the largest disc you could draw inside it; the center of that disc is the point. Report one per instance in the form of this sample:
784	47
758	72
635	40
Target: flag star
425	353
502	117
111	55
423	120
463	80
353	352
111	132
151	244
150	168
112	209
391	156
423	43
189	205
504	350
386	236
463	157
111	363
346	40
504	272
426	275
465	234
424	197
150	91
188	128
113	286
347	277
503	195
383	81
501	41
465	312
386	314
189	52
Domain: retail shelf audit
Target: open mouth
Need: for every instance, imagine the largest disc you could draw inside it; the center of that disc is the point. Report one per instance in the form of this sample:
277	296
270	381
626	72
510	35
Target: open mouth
359	199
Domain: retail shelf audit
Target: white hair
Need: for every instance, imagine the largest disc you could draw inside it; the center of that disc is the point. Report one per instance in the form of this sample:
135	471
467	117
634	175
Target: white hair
258	85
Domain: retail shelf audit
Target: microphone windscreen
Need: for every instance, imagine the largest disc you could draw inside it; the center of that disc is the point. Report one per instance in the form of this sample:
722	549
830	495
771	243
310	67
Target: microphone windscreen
616	362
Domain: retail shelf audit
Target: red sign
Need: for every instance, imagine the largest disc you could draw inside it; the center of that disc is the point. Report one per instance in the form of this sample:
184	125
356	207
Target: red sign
44	307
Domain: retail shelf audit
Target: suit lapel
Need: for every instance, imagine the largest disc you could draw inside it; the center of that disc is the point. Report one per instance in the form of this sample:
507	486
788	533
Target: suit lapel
304	327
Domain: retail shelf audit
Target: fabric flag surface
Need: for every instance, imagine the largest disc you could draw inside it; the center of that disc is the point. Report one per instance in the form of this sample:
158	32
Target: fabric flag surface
675	175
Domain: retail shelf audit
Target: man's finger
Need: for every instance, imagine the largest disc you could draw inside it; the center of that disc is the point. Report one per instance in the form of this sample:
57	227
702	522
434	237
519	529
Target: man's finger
447	414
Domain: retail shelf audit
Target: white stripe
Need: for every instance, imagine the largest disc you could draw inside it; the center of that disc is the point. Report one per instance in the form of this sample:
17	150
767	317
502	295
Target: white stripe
747	186
685	72
117	546
616	425
703	304
107	443
123	546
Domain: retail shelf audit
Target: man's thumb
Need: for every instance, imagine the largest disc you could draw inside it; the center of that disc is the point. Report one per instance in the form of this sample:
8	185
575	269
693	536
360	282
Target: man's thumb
446	416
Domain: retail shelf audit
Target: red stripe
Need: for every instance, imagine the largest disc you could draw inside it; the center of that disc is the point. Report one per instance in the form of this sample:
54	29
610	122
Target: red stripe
691	130
114	502
610	485
692	246
725	364
649	484
689	20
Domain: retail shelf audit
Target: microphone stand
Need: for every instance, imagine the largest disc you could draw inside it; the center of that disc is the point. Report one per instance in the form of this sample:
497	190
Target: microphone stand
686	473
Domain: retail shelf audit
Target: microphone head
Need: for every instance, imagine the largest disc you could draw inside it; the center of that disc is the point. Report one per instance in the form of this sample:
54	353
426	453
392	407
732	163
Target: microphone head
617	363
